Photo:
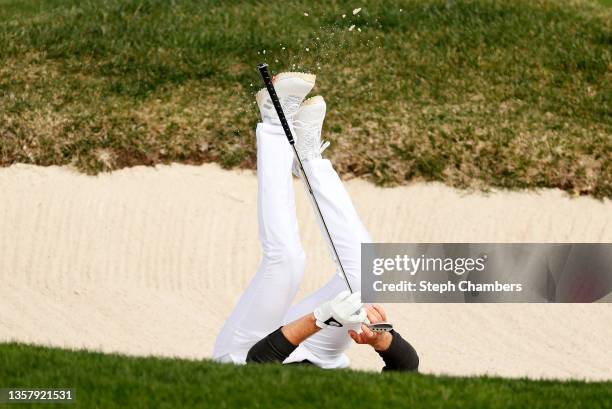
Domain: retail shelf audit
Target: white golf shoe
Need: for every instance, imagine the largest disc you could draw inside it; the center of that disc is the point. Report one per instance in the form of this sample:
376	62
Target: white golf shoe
291	88
307	125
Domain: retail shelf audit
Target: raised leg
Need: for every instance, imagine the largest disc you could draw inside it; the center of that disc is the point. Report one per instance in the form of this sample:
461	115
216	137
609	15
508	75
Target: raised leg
326	348
269	295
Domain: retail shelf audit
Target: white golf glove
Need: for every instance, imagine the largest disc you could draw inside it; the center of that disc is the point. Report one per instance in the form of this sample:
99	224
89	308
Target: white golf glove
344	309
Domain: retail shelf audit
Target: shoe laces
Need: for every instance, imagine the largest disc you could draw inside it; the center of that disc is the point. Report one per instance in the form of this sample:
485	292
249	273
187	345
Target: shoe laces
311	136
290	105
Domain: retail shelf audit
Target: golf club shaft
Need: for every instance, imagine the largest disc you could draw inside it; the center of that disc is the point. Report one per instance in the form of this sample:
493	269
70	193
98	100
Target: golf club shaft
265	75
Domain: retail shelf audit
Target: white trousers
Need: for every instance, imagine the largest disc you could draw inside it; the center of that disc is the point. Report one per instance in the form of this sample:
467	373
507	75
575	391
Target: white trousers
267	302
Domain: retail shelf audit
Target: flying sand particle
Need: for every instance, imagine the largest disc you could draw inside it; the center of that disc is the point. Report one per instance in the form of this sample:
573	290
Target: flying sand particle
356	11
306	14
352	27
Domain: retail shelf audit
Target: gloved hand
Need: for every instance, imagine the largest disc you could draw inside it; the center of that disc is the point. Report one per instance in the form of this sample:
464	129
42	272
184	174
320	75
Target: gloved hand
344	309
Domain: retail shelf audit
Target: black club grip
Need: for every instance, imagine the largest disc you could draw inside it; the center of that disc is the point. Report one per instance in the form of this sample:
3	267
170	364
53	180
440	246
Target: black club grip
265	75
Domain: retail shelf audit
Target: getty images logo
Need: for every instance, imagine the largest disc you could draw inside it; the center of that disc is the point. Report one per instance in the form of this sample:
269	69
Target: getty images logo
414	265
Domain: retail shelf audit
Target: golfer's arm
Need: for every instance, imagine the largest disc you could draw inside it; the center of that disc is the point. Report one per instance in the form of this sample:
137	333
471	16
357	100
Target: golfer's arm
277	346
400	356
299	330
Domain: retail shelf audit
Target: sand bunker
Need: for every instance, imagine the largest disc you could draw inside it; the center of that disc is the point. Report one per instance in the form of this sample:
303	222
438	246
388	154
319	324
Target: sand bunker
151	261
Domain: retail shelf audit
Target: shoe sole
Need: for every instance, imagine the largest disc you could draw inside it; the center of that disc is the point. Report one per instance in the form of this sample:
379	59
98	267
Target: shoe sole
317	99
302	75
310	78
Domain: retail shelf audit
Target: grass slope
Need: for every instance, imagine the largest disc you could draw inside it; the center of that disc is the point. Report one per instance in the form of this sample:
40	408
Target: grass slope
470	92
113	381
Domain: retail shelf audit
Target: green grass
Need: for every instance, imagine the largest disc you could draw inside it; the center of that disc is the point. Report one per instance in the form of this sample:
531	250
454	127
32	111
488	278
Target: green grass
113	381
474	93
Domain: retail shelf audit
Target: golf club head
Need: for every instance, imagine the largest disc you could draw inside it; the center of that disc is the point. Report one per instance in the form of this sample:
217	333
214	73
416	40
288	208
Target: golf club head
380	327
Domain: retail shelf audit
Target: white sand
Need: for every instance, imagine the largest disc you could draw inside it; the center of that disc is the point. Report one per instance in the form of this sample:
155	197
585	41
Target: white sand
151	261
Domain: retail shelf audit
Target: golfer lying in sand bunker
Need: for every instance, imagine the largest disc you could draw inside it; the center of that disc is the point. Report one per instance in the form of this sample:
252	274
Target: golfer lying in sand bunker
265	326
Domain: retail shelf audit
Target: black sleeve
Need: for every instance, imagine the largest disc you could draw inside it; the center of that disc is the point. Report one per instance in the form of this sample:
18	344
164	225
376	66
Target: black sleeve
273	348
400	356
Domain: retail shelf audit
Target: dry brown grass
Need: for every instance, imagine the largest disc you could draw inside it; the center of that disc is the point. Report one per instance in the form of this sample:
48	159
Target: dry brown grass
474	93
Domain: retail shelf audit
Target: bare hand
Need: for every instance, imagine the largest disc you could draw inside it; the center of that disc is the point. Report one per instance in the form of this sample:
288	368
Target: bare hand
380	341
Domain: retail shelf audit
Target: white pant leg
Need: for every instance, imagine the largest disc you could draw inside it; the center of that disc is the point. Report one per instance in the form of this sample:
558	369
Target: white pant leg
326	348
269	295
343	222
